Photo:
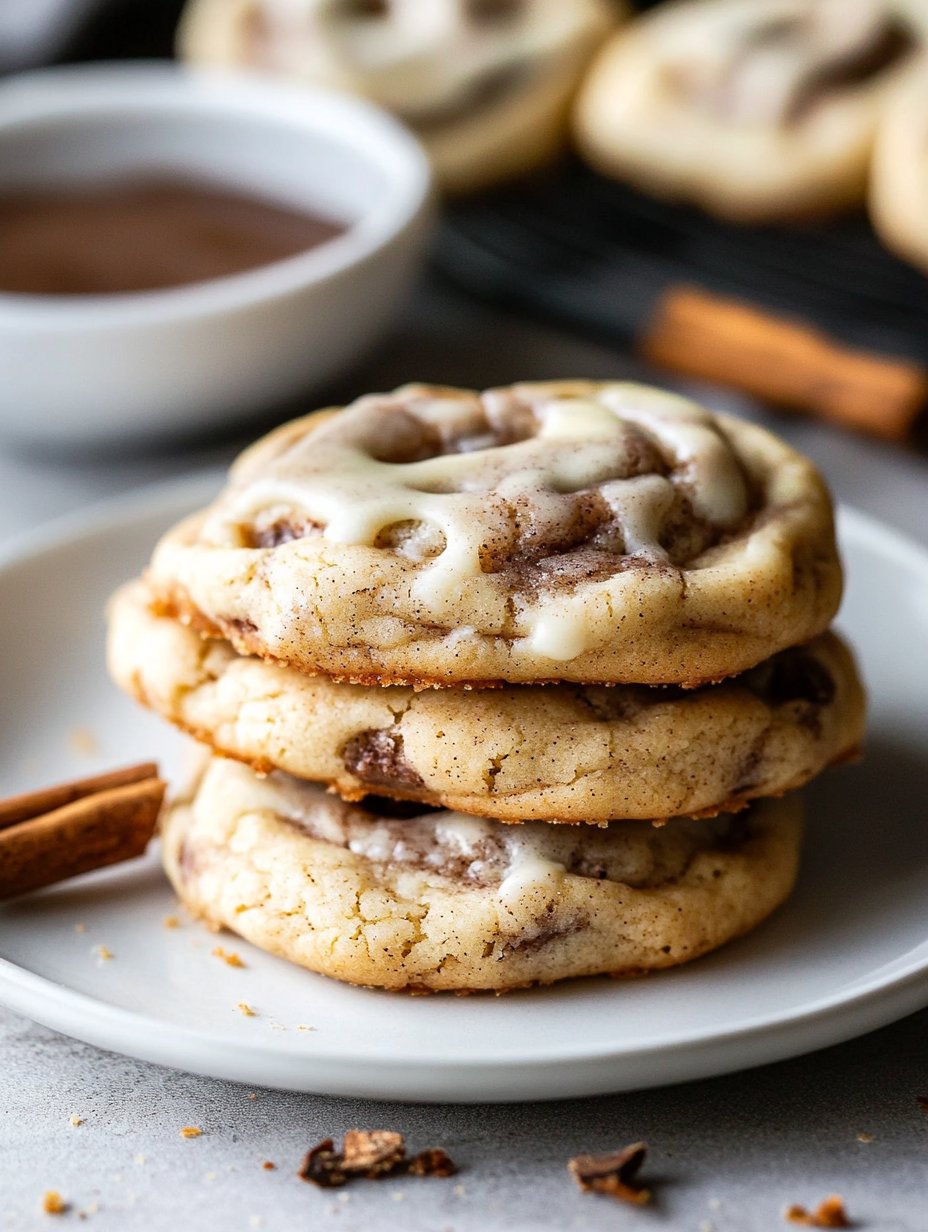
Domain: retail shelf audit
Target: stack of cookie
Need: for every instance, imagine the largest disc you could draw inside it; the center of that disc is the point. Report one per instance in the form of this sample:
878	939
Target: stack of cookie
498	688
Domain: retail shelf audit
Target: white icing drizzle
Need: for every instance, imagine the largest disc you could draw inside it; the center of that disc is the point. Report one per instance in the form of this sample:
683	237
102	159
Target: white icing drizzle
560	631
640	504
517	862
496	496
528	874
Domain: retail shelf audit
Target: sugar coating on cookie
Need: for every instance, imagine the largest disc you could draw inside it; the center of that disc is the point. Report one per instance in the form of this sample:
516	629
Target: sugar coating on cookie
753	111
584	531
446	901
485	84
560	753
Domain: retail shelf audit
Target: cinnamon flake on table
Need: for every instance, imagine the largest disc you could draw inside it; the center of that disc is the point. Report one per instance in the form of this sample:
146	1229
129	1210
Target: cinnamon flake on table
614	1173
829	1213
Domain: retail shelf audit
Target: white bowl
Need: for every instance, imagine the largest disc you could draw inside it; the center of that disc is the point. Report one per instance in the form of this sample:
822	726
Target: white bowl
98	368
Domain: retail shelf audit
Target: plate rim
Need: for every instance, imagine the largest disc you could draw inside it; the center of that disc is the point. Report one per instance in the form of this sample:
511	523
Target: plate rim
881	1000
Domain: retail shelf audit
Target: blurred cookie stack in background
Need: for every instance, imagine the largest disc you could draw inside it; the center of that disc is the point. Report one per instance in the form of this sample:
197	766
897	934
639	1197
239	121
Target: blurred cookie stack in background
555	650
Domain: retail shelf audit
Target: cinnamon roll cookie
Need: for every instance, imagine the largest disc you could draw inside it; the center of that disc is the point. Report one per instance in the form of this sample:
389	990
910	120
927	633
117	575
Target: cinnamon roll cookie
567	753
753	109
485	84
899	179
579	531
444	901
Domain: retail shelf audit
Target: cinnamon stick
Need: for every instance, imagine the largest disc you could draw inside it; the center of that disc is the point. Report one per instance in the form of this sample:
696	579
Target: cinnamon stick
785	362
59	832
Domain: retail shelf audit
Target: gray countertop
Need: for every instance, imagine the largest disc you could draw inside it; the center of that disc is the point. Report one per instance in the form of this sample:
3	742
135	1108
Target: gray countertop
727	1155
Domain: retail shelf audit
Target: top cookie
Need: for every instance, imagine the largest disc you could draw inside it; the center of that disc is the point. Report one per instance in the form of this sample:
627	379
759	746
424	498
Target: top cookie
753	109
597	532
485	84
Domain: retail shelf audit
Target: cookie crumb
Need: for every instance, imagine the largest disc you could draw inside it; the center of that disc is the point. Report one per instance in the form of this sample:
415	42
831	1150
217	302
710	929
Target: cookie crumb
190	1131
615	1173
53	1203
322	1166
371	1154
269	1166
228	956
829	1213
303	1027
103	953
171	921
865	1137
75	1120
245	1009
432	1162
252	1095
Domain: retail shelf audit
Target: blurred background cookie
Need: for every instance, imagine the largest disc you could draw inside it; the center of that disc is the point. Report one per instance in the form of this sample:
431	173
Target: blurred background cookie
752	109
485	84
899	178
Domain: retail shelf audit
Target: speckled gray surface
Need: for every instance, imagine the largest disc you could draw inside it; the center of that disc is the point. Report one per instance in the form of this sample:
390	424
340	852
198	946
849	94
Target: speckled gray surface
727	1154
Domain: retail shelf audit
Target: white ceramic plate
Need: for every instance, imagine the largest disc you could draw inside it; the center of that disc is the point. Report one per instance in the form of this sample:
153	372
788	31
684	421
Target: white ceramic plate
848	953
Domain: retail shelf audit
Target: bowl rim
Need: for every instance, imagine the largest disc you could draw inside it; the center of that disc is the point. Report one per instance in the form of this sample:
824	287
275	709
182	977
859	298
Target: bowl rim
69	94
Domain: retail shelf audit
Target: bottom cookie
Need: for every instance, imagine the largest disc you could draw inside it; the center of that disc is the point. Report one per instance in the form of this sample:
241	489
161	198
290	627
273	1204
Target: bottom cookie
439	900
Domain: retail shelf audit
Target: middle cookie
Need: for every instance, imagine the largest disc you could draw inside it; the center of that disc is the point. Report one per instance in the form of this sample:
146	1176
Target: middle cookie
565	752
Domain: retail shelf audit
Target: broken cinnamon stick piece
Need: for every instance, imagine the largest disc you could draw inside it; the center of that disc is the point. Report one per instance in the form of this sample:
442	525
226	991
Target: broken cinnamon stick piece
59	832
615	1173
785	362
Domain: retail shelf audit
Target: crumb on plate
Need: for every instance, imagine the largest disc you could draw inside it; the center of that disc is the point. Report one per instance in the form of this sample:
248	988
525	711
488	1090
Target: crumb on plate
229	957
53	1203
